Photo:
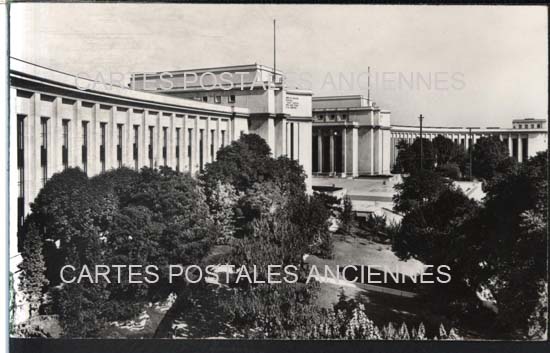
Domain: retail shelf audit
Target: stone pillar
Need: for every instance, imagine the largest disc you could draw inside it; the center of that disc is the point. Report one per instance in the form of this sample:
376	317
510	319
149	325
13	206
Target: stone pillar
520	149
510	146
355	151
320	150
331	152
371	150
344	148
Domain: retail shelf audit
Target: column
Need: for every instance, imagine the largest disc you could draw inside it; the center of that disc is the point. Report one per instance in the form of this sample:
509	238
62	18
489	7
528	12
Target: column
344	148
111	140
520	149
371	150
510	152
171	145
75	128
355	152
331	152
320	150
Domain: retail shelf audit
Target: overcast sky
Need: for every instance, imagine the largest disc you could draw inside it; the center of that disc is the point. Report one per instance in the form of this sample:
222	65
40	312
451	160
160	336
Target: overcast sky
490	62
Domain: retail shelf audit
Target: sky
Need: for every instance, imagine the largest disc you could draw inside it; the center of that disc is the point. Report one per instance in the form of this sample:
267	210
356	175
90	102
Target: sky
455	65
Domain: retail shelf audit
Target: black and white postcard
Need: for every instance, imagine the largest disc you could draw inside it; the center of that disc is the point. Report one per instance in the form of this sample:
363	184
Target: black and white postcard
290	172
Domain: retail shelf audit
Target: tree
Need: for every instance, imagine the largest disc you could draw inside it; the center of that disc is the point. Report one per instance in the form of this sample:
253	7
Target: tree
514	226
33	266
444	149
240	164
408	157
417	189
490	157
347	213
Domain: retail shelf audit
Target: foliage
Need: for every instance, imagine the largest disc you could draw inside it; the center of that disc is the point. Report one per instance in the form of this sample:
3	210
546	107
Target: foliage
514	227
32	266
347	214
122	217
417	189
409	156
450	170
490	157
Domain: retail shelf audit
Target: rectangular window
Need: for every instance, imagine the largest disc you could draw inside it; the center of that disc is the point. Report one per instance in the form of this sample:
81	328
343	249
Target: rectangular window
189	147
44	149
538	126
136	147
201	149
232	98
20	141
178	149
223	139
103	129
85	146
212	134
21	170
65	145
205	98
119	145
165	145
218	99
151	141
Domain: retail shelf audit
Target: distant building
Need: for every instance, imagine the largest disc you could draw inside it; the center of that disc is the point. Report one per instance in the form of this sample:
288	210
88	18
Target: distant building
353	137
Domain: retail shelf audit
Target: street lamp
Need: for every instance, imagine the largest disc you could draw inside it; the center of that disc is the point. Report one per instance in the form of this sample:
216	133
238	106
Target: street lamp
421	152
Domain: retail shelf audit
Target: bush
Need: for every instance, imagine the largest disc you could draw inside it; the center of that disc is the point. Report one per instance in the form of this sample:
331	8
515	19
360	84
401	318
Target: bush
450	170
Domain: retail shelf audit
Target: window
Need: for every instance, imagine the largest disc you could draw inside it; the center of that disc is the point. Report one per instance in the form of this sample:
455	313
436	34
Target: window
136	147
178	149
321	117
212	134
44	149
20	141
218	99
332	117
189	147
532	126
119	145
151	141
232	98
538	126
85	146
223	138
165	145
103	128
205	98
21	170
344	117
65	144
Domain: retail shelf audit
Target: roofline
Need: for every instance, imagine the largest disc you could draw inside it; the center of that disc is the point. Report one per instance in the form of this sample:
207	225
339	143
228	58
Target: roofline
338	97
213	69
68	81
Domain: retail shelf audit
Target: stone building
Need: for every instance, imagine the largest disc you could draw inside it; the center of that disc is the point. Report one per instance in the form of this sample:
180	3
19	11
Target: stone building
353	137
282	116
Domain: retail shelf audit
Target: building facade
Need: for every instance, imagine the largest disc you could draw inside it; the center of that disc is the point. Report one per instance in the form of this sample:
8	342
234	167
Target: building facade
58	125
522	143
353	137
281	116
